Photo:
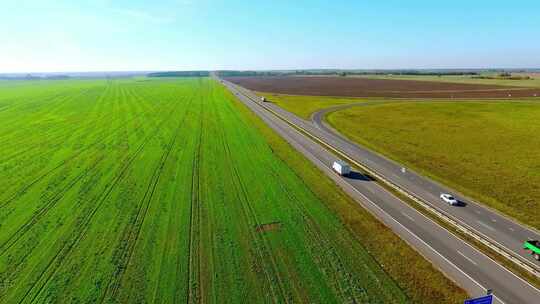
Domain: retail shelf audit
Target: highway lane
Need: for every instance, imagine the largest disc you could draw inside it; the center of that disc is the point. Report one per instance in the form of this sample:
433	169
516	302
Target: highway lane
493	226
470	268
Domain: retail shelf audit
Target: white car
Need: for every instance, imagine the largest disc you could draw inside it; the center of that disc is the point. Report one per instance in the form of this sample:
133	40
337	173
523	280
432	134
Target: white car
448	198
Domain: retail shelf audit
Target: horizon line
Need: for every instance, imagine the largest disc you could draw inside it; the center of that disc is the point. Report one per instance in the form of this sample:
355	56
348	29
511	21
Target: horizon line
271	70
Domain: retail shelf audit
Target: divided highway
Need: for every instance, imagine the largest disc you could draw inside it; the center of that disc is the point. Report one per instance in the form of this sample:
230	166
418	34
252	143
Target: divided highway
471	269
499	229
501	232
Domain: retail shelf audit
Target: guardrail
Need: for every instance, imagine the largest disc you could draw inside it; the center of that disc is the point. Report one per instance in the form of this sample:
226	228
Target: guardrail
478	236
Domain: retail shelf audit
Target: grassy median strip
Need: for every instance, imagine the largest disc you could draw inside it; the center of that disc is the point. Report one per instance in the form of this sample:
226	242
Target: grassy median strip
416	276
304	106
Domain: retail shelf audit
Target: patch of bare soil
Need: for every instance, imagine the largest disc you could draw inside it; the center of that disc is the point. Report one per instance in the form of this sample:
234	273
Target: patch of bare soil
365	87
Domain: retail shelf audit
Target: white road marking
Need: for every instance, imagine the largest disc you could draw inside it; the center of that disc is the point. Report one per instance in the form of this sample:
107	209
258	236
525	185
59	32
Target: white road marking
486	225
511	229
494	220
466	257
407	216
477	211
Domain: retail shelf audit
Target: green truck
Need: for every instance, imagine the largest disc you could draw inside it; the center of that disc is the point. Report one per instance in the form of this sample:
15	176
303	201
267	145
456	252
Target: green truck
534	247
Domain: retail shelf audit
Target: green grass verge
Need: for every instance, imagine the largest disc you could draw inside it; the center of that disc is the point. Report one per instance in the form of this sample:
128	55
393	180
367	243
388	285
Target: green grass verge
487	150
416	276
304	106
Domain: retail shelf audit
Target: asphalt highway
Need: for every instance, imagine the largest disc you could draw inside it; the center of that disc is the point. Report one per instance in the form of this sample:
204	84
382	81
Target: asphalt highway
468	267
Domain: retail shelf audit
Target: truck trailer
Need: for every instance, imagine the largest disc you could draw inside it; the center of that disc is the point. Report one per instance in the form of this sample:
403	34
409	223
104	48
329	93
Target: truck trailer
341	167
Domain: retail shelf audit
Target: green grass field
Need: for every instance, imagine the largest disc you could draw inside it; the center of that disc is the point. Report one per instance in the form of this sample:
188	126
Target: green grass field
122	191
488	150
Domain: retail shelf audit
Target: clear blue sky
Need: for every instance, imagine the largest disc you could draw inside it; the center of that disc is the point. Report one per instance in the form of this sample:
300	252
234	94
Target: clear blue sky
47	36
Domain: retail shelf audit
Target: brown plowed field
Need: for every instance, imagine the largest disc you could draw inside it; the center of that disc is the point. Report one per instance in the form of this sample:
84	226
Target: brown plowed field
364	87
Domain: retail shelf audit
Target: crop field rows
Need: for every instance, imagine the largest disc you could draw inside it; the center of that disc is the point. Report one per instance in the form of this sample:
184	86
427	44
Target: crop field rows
137	190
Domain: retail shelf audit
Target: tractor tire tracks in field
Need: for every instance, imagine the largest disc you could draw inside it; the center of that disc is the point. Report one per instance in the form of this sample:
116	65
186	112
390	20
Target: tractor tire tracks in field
133	233
56	261
265	254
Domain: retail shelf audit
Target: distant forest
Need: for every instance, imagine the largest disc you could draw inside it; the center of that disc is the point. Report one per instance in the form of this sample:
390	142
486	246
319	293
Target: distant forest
342	73
180	74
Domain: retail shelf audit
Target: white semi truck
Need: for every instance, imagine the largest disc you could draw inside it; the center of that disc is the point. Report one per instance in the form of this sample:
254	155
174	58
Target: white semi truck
263	99
341	168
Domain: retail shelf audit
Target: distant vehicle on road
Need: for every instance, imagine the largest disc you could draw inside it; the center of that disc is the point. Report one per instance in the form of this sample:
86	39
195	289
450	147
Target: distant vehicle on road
341	167
263	99
448	198
534	247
